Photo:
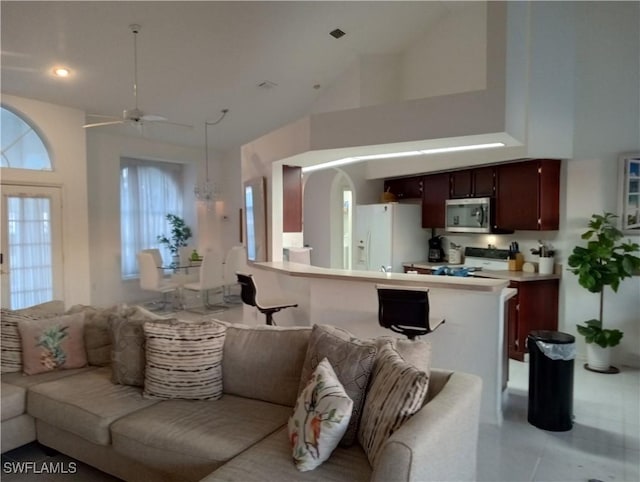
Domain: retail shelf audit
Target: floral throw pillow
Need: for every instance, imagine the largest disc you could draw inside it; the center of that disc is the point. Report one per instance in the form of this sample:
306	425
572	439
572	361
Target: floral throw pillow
320	418
52	343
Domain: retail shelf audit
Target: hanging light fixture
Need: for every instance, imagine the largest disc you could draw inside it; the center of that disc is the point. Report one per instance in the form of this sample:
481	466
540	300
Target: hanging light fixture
206	191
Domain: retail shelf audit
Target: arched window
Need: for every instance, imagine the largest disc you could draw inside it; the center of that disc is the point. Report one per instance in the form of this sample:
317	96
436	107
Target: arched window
22	147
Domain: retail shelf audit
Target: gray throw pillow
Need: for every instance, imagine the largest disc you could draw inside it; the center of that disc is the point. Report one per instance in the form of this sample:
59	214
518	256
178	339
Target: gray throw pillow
97	339
128	346
352	360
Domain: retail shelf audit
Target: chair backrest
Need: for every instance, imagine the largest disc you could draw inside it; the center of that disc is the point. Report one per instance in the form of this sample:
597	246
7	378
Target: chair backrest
248	288
157	256
211	271
184	255
235	260
150	275
404	309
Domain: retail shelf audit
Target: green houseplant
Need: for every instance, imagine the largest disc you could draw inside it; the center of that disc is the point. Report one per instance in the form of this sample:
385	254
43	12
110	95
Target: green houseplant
180	234
605	261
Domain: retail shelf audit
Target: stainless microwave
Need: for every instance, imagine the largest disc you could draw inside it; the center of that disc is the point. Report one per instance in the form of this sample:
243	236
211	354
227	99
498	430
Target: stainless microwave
469	215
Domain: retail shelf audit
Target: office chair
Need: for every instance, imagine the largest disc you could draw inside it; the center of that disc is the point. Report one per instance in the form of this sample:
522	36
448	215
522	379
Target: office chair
405	310
210	279
267	306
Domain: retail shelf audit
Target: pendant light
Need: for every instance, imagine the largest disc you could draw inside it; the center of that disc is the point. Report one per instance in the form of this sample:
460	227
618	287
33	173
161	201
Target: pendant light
206	191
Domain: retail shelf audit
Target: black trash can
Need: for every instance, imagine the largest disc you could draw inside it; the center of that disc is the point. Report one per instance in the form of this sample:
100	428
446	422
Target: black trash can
551	357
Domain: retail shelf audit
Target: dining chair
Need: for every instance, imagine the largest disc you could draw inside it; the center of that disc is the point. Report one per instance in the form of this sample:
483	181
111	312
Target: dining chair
268	306
151	278
405	310
235	260
211	278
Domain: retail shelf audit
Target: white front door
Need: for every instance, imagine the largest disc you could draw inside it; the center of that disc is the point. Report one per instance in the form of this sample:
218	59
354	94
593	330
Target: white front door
31	245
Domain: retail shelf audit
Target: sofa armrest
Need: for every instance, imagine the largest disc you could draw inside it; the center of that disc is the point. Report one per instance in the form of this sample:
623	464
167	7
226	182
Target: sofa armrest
438	443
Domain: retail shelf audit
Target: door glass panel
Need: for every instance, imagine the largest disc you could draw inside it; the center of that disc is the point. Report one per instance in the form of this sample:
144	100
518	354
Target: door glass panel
31	246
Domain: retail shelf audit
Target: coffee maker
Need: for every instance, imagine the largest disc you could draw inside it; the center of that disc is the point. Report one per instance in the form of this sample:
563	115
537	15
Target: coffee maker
436	253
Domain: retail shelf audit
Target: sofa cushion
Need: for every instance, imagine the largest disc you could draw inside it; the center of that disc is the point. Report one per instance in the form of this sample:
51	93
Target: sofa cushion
397	391
51	344
27	381
97	339
183	360
128	345
320	418
264	362
85	404
11	344
351	358
13	401
193	437
270	460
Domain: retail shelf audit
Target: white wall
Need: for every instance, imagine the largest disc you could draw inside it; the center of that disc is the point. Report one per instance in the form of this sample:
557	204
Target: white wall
63	134
103	153
451	58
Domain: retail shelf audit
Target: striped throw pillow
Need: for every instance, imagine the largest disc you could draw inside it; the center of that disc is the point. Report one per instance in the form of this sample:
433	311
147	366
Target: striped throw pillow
397	391
184	360
11	354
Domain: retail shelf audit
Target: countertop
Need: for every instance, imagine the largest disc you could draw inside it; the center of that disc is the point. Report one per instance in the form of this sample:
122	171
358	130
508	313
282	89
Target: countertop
402	279
519	276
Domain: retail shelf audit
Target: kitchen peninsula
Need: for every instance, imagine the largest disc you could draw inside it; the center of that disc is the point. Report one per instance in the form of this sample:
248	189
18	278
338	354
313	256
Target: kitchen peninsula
470	340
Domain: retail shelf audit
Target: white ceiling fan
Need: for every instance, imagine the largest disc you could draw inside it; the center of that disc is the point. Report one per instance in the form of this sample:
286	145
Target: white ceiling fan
133	116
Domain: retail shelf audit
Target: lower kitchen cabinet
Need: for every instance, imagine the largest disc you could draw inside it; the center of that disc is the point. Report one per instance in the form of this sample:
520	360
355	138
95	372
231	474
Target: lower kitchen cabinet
535	307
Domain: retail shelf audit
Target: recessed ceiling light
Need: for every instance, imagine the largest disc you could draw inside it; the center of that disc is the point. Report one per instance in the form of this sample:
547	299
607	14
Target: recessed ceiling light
61	72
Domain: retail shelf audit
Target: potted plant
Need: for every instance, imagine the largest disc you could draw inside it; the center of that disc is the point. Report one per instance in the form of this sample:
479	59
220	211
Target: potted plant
180	234
605	261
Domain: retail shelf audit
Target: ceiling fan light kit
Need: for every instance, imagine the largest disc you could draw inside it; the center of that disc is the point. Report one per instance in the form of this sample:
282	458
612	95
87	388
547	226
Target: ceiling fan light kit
135	116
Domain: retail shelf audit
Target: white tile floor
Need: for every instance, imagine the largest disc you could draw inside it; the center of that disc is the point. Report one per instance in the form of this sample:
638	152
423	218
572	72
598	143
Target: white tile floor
604	444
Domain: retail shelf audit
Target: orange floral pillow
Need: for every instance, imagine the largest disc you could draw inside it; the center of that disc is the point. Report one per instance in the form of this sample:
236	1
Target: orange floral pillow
320	418
52	343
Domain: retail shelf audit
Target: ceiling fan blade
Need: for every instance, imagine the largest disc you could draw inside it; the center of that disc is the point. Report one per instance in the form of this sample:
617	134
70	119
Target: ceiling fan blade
170	123
99	124
102	116
153	118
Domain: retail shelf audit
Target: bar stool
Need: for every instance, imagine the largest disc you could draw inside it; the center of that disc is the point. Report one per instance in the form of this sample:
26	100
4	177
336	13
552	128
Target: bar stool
267	306
405	310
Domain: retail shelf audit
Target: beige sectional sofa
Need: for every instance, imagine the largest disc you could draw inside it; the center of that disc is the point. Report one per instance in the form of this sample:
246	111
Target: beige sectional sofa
243	435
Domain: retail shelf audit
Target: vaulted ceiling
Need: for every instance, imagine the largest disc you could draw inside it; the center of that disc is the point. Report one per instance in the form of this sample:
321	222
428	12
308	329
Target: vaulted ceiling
196	58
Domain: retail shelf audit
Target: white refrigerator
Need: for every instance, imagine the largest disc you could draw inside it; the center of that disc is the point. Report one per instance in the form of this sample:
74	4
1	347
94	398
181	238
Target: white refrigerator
388	235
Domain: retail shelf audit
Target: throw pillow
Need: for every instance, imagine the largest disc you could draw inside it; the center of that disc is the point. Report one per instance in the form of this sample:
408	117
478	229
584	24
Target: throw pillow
320	418
128	346
184	360
11	344
397	391
351	358
97	339
52	343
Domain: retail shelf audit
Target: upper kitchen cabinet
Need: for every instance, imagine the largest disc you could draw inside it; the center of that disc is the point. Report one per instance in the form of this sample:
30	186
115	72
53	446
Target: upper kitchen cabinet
478	182
528	195
435	191
291	199
405	187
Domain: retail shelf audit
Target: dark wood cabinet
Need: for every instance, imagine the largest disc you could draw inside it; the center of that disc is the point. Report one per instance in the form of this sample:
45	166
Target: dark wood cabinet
528	195
535	307
435	191
478	182
405	187
291	199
